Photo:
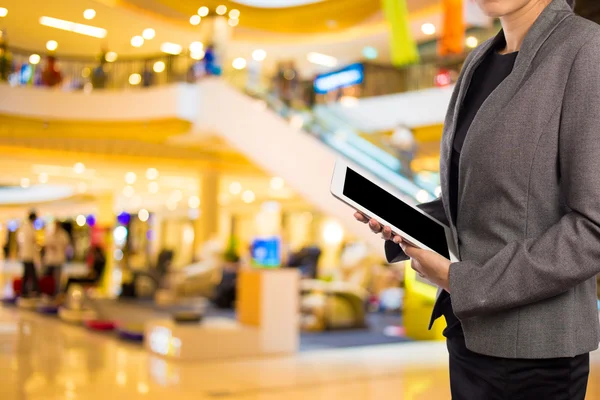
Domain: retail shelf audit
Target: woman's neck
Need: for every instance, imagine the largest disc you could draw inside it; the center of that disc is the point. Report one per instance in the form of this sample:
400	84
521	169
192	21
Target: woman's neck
517	24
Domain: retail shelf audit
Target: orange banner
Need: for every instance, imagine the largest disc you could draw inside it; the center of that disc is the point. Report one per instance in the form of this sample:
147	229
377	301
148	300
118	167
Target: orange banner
453	33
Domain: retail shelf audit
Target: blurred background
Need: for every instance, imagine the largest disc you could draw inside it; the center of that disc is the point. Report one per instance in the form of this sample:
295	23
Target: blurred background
177	155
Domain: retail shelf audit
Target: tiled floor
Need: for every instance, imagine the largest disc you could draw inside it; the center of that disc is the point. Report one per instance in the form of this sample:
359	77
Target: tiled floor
42	358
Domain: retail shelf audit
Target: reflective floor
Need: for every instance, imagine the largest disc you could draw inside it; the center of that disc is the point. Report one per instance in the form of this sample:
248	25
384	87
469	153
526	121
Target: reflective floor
42	358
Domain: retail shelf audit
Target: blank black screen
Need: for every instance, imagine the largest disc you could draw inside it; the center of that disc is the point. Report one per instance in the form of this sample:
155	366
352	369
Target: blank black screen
395	211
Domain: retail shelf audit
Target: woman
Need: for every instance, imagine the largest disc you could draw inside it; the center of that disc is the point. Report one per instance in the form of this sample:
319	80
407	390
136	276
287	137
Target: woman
520	157
55	254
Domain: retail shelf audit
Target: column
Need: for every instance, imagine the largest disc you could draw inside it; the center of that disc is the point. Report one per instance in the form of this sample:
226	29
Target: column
206	225
403	46
102	235
453	34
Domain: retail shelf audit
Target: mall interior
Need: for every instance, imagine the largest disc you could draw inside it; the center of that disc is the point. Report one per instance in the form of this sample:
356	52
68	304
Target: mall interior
166	170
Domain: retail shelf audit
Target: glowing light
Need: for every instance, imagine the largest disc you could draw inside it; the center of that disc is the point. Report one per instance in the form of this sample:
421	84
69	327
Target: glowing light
235	188
203	11
143	215
130	178
296	121
259	55
43	177
422	196
51	45
148	33
177	195
128	191
89	13
135	79
81	187
428	28
34	59
248	196
194	202
25	183
3	12
124	218
111	56
120	234
198	56
195	20
322	59
137	41
170	48
82	29
370	53
277	183
153	187
333	233
118	255
239	63
91	220
159	66
121	376
221	10
472	42
438	191
196	47
151	174
38	224
80	220
233	22
188	235
234	14
349	101
142	388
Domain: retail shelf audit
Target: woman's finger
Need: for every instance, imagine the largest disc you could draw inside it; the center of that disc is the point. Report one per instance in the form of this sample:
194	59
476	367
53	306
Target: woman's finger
387	233
361	217
375	226
397	239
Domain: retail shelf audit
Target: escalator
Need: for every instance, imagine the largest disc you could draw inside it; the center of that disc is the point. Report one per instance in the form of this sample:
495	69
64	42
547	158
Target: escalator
300	147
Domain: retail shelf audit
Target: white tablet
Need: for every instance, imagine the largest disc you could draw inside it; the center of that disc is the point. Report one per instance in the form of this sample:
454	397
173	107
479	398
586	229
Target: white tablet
376	200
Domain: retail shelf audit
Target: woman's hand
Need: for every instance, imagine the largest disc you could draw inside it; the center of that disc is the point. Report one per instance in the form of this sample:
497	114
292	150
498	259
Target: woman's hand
376	227
429	265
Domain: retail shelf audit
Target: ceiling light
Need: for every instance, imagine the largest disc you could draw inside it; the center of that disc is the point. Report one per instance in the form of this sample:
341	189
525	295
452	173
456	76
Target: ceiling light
80	220
137	41
89	13
34	59
148	33
43	177
198	56
333	233
259	55
239	63
153	187
3	12
135	79
111	56
143	215
25	182
73	27
128	191
196	47
428	28
248	196
170	48
195	19
472	42
79	168
422	196
194	202
277	183
130	178
234	14
203	11
159	66
51	45
233	22
81	187
322	59
235	188
151	173
221	10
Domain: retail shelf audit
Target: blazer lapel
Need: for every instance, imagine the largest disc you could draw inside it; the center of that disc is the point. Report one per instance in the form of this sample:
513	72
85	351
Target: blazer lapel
546	23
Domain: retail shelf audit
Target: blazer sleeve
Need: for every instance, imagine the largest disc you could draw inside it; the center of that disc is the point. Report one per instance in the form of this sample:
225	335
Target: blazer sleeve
435	208
567	254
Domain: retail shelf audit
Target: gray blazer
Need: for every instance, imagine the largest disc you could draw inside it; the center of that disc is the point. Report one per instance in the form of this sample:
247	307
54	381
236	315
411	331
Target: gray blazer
528	219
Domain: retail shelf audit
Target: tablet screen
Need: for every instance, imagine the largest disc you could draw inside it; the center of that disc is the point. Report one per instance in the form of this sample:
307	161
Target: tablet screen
396	212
